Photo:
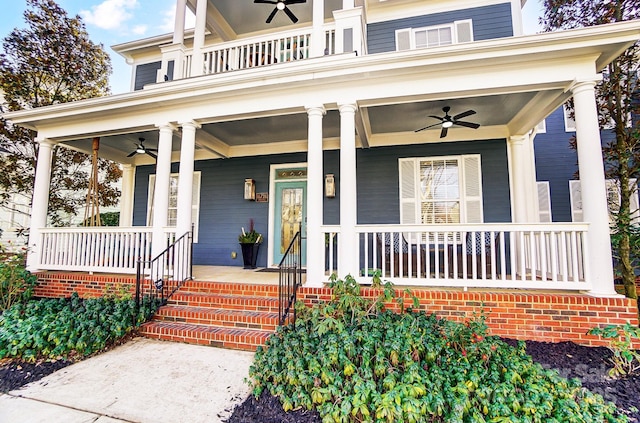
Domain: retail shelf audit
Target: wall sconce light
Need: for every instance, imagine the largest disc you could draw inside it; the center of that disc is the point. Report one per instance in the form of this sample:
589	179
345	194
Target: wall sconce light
249	189
329	185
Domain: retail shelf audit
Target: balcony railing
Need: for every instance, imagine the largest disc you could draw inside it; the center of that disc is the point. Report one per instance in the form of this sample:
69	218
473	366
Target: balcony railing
539	256
260	51
94	249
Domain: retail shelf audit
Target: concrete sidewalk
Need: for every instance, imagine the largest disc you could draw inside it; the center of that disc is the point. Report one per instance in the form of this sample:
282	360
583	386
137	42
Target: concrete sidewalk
141	381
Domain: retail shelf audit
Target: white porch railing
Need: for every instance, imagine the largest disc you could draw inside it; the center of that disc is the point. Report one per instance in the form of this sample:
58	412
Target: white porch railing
94	249
260	51
498	255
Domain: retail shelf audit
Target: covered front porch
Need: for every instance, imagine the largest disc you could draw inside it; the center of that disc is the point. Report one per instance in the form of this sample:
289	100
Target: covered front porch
354	118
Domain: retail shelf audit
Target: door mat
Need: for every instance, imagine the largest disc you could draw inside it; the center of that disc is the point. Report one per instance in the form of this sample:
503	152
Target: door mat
274	270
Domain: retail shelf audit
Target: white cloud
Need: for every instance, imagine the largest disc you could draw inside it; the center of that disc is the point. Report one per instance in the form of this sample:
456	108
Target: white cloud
169	20
110	14
140	29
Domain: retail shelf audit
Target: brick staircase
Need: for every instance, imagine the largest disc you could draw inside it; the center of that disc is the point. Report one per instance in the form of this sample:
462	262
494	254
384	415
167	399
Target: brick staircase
226	315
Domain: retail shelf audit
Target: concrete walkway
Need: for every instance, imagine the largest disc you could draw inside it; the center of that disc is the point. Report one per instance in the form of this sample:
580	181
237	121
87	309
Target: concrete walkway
141	381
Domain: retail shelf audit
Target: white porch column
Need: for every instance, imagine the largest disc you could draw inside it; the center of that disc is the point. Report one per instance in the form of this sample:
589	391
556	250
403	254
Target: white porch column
161	189
594	193
518	177
317	34
126	198
348	245
178	28
40	202
197	60
185	180
315	198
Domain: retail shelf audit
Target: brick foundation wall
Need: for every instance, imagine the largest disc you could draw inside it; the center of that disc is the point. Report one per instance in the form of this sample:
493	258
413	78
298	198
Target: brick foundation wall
538	317
57	285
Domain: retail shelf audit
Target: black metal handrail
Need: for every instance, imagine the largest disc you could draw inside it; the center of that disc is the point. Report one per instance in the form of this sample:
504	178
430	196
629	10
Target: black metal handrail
290	278
161	276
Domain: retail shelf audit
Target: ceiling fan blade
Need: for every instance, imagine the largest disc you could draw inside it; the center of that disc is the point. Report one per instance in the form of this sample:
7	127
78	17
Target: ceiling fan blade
437	117
270	18
464	114
294	1
427	127
265	1
133	153
467	124
290	14
151	149
151	154
444	131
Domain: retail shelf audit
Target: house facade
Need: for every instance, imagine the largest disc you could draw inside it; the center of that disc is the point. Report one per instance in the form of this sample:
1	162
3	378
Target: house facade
396	136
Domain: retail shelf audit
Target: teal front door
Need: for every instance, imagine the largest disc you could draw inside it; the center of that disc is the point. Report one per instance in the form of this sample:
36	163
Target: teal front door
290	217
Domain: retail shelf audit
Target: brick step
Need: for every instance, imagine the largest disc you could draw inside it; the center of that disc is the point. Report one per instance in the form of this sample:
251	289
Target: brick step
232	338
255	290
218	317
226	301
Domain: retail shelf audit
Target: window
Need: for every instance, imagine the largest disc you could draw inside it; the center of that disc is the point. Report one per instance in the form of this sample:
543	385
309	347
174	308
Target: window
613	200
544	201
569	122
172	211
541	128
440	190
19	212
434	36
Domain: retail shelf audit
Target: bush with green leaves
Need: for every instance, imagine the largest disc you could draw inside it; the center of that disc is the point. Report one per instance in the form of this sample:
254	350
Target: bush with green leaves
354	361
16	282
625	360
57	327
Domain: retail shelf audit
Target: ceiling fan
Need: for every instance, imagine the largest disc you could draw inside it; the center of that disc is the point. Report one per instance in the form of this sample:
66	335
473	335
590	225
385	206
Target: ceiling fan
281	5
141	149
448	121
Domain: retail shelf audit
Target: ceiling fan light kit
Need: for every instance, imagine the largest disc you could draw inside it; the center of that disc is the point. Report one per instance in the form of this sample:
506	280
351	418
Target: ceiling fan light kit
281	5
447	121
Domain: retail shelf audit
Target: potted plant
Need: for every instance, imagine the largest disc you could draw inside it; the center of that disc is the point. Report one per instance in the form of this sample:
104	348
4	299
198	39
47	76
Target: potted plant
250	243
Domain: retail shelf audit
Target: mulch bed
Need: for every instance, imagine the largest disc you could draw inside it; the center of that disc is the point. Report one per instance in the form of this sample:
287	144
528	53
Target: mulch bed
589	364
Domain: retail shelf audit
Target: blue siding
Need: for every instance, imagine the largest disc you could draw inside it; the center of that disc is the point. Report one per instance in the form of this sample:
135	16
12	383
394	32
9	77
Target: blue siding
146	74
378	184
557	163
223	211
488	22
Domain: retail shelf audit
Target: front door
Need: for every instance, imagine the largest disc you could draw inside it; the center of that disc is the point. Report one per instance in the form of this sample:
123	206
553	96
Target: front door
290	217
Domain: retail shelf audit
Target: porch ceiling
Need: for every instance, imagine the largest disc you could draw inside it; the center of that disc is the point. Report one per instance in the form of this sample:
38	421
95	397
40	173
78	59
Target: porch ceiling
275	132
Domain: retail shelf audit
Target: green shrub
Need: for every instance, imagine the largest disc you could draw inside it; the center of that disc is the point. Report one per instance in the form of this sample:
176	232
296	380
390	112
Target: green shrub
57	327
16	283
355	362
625	360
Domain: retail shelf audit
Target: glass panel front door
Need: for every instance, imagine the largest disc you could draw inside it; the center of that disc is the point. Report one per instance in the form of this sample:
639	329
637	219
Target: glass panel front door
290	217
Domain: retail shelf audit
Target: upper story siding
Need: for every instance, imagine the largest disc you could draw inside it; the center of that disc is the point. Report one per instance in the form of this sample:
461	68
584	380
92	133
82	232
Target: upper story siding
488	22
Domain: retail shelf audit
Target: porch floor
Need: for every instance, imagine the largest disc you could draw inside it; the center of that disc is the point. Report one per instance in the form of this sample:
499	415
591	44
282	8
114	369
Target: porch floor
235	274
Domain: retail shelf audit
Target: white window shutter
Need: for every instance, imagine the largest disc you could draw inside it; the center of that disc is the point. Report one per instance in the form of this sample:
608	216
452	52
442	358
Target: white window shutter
575	195
464	31
408	192
403	39
544	201
634	204
472	177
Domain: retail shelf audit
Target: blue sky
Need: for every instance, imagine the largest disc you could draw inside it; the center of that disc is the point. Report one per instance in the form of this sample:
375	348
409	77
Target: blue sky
116	21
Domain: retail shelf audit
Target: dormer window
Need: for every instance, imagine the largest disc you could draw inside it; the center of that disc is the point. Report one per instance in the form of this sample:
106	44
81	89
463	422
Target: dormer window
434	36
